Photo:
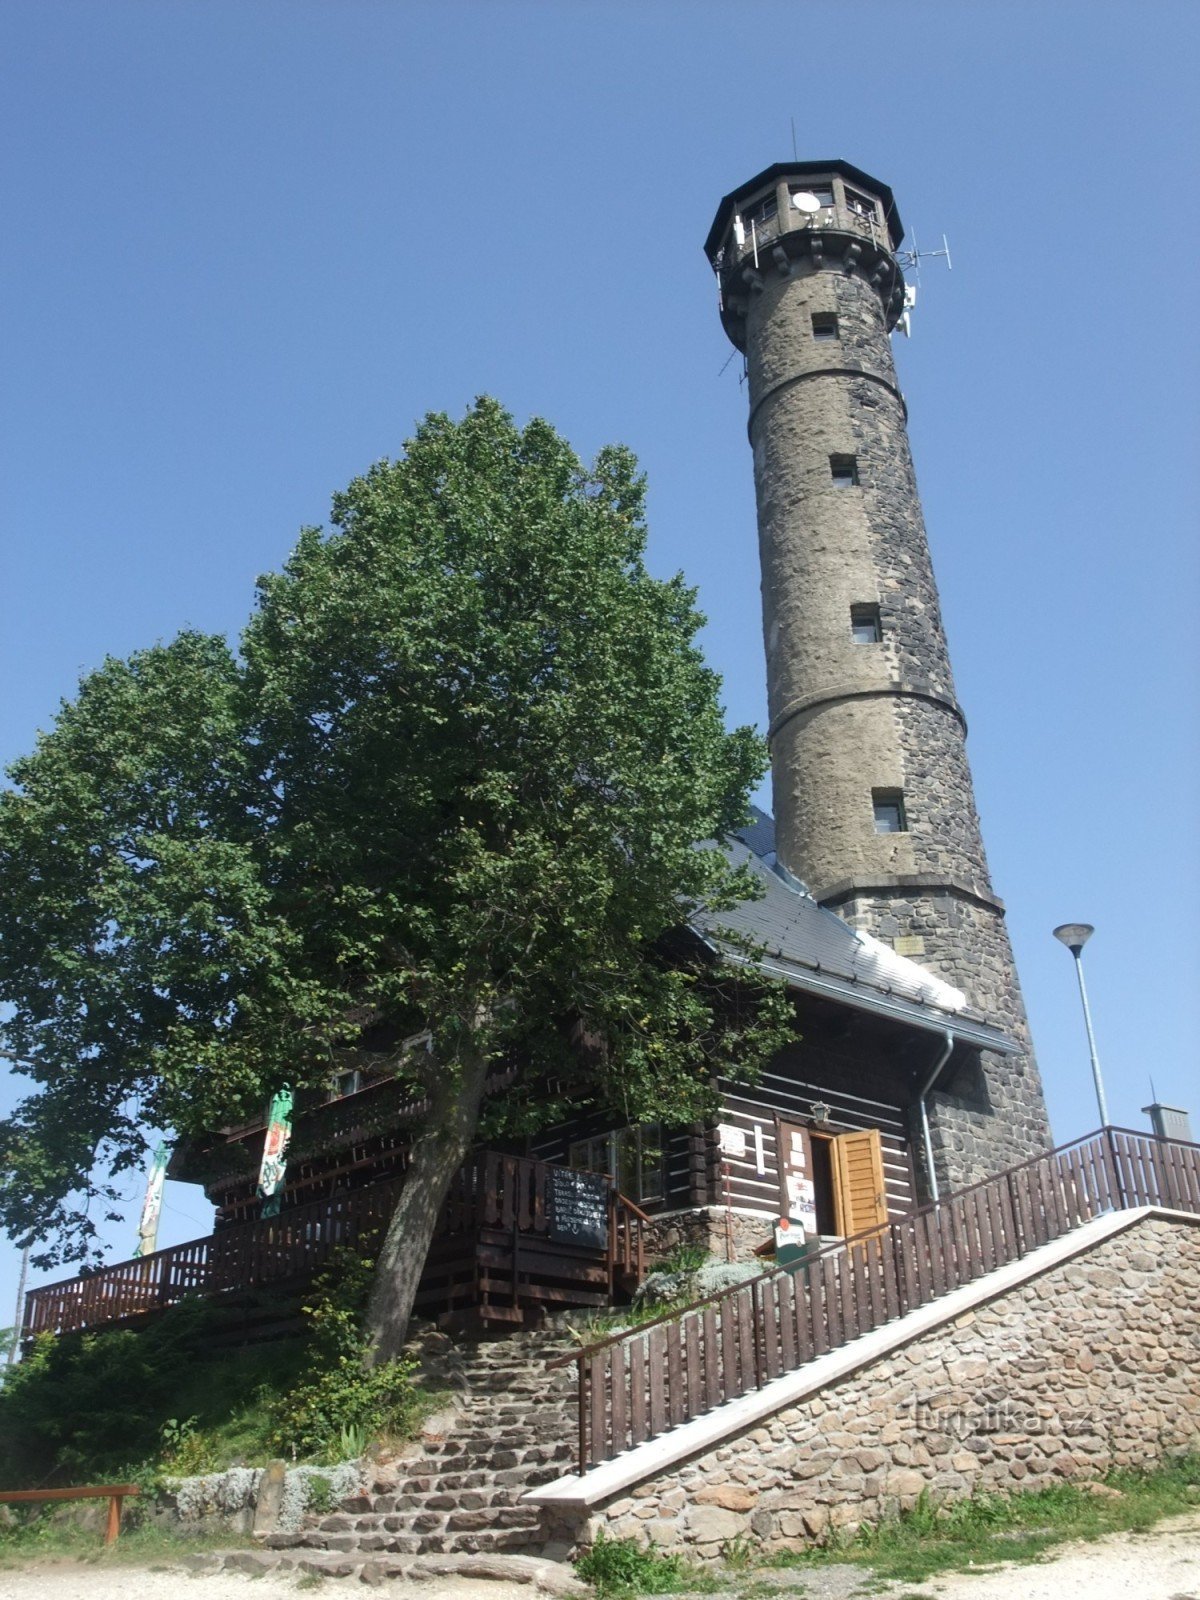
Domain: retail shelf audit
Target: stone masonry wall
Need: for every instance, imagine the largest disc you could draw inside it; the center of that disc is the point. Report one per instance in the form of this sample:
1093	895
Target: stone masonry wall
850	719
1091	1366
736	1234
992	1117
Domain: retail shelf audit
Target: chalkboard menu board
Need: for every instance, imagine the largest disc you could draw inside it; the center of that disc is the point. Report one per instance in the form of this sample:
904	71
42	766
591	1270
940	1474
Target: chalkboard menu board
578	1208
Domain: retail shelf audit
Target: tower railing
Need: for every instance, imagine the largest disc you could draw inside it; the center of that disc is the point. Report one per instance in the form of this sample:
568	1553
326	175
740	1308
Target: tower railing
827	220
641	1383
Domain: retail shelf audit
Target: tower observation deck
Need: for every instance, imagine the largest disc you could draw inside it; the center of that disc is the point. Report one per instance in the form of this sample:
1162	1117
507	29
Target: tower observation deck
874	803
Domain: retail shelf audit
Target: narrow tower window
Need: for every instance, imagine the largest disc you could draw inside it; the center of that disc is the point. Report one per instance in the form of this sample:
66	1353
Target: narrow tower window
763	210
824	325
844	471
859	203
823	192
889	811
865	626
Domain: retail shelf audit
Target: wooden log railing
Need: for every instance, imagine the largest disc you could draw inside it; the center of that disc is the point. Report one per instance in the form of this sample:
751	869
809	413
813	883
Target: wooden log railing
637	1385
114	1493
491	1191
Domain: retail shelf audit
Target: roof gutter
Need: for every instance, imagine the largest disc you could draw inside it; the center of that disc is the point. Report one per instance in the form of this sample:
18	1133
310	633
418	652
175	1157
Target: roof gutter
934	1074
857	995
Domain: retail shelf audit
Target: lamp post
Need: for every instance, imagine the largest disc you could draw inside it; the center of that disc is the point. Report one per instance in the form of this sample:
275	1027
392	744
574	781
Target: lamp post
1075	935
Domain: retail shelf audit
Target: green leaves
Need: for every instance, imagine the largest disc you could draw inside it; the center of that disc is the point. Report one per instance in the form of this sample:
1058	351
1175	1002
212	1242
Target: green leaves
454	780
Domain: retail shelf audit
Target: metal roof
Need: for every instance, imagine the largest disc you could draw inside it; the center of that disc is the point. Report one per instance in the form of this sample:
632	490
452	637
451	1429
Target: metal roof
814	950
802	169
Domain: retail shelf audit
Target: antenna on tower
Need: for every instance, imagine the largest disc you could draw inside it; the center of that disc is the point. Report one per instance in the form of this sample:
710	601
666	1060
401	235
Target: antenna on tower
795	157
914	257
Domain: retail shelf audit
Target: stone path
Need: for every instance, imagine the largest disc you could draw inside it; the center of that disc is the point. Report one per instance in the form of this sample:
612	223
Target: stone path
77	1581
494	1571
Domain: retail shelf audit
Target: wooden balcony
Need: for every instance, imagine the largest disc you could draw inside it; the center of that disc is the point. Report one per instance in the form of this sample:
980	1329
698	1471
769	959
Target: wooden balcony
516	1238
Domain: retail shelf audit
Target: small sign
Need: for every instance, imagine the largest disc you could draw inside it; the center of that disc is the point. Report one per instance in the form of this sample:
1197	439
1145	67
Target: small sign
733	1141
791	1244
802	1201
909	944
578	1208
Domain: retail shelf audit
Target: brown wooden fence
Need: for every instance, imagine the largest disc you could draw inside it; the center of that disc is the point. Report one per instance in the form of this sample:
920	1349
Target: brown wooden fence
638	1385
497	1192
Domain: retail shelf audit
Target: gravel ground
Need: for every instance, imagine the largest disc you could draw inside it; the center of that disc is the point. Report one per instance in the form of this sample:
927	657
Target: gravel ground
1163	1564
73	1581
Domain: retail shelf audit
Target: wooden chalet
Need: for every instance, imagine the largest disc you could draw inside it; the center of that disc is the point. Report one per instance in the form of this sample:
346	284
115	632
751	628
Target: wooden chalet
829	1134
831	1130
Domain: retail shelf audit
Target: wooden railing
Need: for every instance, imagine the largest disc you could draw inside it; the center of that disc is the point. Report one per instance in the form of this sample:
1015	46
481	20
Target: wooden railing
637	1385
294	1244
491	1191
512	1193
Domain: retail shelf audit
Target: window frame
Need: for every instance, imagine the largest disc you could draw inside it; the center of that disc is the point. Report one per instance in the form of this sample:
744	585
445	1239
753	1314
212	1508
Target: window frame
865	614
889	800
843	471
609	1152
764	209
861	205
823	192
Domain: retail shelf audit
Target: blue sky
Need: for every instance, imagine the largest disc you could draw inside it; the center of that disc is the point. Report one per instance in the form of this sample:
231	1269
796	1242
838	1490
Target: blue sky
249	244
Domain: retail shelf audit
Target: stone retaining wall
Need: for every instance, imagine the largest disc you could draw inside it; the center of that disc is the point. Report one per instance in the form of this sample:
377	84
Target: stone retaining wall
1095	1364
246	1500
712	1229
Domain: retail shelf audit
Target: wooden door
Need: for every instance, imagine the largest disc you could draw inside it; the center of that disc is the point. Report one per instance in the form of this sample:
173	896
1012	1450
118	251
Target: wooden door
797	1195
859	1195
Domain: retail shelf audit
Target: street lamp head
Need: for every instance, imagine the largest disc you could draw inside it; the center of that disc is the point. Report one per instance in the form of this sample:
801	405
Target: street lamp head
1074	935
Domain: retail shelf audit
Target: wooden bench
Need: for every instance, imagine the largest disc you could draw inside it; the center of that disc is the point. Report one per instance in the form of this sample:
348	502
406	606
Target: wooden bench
115	1493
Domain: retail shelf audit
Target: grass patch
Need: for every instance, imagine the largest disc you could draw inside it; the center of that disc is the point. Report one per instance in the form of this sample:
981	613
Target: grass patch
179	1397
43	1535
87	1407
621	1568
989	1529
598	1325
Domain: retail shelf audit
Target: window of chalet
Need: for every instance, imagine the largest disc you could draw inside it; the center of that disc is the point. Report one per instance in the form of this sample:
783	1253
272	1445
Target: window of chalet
344	1083
633	1156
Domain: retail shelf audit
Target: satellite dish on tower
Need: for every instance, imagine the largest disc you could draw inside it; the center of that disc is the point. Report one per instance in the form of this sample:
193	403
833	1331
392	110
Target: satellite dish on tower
806	202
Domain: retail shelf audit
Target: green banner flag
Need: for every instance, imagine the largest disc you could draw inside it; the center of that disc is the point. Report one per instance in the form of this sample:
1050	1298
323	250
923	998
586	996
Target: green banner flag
274	1157
147	1240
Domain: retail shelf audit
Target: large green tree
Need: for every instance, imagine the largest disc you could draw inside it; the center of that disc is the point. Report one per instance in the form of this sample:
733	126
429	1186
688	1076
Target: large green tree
453	783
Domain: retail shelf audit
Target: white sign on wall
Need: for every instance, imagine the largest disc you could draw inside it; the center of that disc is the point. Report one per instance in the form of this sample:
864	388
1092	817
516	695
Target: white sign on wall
732	1140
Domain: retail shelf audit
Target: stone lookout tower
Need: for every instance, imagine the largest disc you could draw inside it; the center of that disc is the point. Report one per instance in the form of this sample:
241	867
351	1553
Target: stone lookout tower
874	805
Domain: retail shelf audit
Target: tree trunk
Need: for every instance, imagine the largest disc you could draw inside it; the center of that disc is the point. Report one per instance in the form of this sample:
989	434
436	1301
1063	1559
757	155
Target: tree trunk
437	1154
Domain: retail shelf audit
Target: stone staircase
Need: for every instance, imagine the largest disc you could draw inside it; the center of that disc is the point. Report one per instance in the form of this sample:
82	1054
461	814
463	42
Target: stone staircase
458	1492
